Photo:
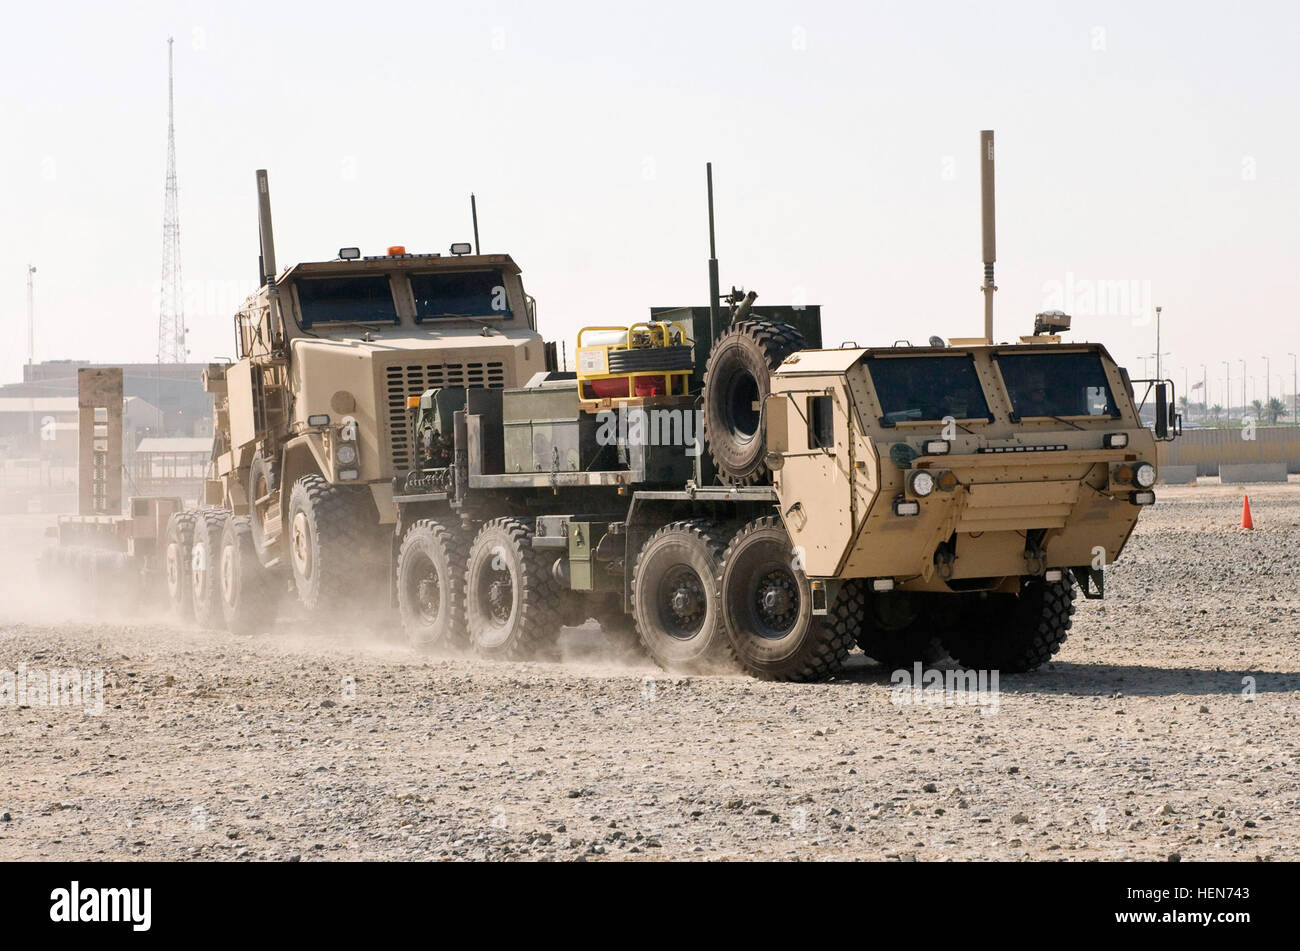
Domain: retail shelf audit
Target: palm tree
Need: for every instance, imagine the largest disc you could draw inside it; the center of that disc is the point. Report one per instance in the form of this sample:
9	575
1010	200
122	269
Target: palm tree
1215	412
1276	408
1257	409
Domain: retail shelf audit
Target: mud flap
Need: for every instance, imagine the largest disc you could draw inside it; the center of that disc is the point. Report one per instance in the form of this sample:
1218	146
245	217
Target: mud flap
824	591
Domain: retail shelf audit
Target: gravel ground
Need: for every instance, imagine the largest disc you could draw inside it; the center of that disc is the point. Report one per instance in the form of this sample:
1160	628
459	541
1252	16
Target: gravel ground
1167	727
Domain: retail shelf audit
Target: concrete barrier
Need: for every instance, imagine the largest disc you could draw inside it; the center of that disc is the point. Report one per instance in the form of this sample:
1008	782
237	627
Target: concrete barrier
1207	449
1177	475
1252	472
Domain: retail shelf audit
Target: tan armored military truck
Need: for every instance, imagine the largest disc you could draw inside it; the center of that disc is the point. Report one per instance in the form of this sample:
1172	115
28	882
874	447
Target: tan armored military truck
960	487
311	419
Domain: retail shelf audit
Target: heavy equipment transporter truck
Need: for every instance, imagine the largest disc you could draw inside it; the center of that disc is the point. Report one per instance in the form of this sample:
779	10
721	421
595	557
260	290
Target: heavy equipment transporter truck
716	486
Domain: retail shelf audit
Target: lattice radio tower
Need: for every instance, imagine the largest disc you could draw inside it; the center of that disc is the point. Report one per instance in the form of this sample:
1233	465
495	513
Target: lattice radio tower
171	312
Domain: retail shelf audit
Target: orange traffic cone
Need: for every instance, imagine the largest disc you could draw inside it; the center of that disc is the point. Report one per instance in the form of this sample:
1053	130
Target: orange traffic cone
1245	512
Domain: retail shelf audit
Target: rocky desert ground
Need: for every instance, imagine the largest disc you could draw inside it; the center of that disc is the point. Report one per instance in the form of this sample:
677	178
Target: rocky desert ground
1168	728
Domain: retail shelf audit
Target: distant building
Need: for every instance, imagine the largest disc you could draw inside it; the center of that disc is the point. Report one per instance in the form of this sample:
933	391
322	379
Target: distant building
174	464
45	427
174	390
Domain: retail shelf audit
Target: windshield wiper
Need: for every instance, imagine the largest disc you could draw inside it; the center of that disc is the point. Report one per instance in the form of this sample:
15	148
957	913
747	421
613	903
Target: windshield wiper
377	322
1066	421
478	320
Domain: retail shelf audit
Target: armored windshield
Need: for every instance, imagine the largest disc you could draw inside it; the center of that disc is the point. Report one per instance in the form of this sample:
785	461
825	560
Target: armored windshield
928	388
467	294
346	300
1057	384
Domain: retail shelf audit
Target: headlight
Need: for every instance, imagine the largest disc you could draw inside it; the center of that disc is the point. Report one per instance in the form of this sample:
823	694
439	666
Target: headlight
936	447
921	483
346	454
1144	475
1115	440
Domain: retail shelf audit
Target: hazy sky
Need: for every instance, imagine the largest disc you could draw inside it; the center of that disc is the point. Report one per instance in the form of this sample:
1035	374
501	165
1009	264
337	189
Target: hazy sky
1148	153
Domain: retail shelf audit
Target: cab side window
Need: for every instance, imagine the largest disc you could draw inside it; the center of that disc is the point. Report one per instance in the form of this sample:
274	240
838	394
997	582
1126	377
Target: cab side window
821	423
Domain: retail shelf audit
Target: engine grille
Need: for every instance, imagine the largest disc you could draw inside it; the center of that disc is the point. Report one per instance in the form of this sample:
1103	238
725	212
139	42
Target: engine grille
413	379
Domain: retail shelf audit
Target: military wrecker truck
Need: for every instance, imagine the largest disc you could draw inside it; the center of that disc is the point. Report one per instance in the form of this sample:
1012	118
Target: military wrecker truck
311	424
784	504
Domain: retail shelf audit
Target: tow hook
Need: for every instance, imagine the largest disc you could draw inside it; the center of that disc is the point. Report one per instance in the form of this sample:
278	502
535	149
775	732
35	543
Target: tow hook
1035	561
944	558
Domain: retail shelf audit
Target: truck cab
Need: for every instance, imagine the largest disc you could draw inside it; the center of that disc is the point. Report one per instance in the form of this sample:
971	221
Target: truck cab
958	468
311	416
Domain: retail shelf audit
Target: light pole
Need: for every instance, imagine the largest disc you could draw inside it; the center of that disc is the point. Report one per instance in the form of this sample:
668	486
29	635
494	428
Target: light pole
1243	388
1295	392
31	315
1205	394
1227	387
1268	387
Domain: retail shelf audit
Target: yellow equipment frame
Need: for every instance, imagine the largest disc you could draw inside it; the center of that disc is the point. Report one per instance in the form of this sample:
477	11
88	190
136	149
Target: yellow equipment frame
593	361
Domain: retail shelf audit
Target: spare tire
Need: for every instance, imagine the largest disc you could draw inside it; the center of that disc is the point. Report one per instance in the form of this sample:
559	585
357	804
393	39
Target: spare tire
737	379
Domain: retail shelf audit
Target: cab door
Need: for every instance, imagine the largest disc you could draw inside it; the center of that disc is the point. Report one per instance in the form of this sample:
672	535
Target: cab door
809	427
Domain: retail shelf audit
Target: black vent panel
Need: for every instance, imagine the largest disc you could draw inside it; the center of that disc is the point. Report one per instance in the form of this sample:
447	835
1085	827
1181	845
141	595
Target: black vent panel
412	379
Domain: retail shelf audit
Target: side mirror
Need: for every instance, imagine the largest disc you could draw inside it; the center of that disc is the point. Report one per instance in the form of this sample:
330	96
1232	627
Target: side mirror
777	424
1162	411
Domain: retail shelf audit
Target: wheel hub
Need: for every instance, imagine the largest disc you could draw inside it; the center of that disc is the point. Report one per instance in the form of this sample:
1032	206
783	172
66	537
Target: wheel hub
173	567
300	544
501	596
682	594
428	593
776	602
228	574
199	569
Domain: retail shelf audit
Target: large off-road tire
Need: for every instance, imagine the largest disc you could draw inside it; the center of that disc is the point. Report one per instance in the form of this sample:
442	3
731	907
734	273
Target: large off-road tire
675	598
1016	633
176	563
205	568
767	609
431	568
325	546
511	598
249	594
263	483
737	379
896	631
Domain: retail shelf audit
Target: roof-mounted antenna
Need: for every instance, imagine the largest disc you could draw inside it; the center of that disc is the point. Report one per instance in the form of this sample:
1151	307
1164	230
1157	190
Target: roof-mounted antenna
987	215
714	291
265	236
473	210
